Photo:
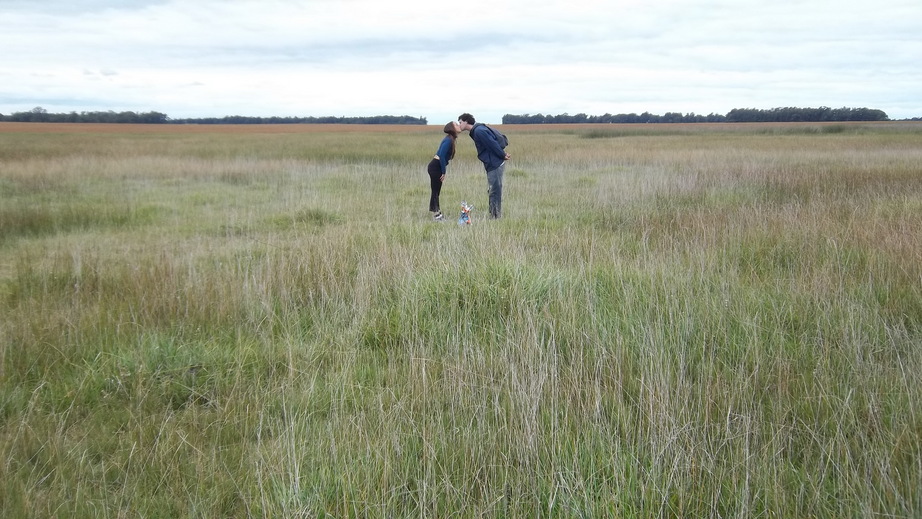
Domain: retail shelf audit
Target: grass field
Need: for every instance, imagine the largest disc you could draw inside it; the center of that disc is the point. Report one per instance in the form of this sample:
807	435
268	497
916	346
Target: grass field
262	321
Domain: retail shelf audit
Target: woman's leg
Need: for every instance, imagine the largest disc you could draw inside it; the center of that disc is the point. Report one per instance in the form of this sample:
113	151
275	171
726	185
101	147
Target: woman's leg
435	183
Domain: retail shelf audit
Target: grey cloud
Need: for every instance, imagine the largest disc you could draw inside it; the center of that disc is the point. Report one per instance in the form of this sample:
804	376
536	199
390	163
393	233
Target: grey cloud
624	55
77	7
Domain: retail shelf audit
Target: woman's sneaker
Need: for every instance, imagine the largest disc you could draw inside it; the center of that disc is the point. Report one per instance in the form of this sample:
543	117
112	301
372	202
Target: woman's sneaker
438	216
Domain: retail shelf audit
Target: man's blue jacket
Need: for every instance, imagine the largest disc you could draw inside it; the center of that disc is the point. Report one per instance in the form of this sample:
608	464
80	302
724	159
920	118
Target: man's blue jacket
488	149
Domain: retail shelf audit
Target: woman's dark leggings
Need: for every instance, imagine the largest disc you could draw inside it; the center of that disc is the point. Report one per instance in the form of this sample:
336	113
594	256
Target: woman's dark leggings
435	175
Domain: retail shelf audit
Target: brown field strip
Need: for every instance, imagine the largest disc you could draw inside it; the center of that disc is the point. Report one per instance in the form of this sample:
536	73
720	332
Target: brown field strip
31	127
15	127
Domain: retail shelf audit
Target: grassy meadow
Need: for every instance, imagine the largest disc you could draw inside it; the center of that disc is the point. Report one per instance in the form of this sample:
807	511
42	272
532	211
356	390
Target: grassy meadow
263	321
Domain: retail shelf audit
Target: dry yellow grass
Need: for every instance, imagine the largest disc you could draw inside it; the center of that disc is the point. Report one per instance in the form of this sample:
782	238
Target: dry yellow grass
671	321
13	127
17	127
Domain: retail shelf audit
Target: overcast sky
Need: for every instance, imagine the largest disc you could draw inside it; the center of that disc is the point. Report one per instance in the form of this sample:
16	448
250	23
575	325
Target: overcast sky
436	58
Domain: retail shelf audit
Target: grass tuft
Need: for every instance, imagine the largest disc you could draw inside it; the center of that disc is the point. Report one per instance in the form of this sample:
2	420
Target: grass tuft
680	321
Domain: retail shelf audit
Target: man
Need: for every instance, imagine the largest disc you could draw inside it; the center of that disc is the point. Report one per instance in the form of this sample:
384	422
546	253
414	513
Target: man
493	156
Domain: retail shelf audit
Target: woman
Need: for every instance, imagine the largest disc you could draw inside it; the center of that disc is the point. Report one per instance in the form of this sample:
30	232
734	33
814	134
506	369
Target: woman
438	166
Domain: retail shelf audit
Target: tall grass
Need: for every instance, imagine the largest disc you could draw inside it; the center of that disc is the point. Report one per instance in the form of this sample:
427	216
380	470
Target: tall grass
693	323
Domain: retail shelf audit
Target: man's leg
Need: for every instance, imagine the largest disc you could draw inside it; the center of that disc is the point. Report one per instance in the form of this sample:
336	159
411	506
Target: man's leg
495	191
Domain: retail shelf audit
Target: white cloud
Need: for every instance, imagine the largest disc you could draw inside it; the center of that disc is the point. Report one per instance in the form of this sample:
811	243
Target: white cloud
365	57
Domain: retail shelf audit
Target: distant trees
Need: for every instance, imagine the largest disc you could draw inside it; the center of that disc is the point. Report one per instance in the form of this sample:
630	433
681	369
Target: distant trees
737	115
753	115
39	114
791	114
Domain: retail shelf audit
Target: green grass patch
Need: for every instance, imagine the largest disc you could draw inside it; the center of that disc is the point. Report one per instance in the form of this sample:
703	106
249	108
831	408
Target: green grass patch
688	321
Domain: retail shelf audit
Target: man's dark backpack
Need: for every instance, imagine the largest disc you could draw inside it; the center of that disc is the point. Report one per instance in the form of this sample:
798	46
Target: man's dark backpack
500	138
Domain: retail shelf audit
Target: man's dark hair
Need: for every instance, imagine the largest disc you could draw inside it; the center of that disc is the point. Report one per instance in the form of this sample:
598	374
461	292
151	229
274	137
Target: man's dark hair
466	117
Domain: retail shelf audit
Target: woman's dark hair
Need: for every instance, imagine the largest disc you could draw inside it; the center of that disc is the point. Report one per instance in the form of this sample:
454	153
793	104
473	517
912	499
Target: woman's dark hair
453	133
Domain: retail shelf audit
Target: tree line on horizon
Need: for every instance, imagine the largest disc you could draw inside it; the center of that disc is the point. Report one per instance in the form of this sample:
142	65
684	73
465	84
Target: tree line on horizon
785	114
39	114
737	115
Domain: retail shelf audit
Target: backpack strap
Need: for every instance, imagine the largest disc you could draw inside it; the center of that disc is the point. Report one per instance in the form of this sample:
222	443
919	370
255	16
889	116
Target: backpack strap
474	129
